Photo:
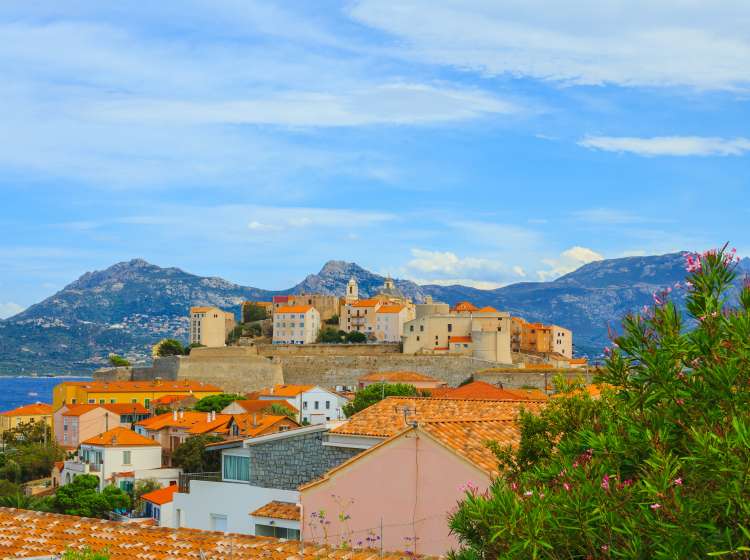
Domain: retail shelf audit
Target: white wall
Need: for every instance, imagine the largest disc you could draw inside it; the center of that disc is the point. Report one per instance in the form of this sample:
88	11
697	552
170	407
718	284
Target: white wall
234	500
319	415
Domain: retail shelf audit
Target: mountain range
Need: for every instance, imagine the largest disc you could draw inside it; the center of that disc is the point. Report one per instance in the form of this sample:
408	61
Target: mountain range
131	305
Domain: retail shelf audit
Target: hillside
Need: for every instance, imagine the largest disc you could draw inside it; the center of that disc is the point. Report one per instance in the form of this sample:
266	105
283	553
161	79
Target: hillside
127	307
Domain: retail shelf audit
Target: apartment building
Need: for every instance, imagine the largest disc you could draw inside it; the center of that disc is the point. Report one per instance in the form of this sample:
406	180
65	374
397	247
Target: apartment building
482	333
30	413
76	423
297	324
210	326
541	338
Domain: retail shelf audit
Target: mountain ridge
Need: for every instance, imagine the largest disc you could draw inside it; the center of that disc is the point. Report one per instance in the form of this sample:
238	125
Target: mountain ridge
128	306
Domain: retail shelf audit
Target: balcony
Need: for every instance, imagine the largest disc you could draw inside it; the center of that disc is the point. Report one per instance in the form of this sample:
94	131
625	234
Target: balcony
82	467
185	479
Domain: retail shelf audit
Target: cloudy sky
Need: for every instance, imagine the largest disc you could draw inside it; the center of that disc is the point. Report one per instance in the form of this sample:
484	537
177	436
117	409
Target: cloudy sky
479	141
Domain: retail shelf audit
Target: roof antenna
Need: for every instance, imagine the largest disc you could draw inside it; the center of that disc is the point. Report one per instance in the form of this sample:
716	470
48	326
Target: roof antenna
405	410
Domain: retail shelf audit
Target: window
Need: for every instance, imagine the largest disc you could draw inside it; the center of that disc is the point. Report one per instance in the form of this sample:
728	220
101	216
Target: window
73	401
134	401
328	405
218	522
278	532
112	401
304	405
236	467
126	457
146	402
102	401
92	401
317	405
411	328
421	328
450	327
417	338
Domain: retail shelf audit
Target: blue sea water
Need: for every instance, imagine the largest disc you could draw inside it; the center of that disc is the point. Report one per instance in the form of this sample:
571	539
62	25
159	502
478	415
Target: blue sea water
19	390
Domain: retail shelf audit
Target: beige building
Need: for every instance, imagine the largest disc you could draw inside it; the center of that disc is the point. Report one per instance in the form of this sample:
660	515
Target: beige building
210	326
483	334
28	414
327	306
538	337
296	324
381	316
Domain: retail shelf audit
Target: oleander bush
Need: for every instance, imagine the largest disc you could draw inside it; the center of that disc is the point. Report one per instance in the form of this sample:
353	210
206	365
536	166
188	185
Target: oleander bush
658	466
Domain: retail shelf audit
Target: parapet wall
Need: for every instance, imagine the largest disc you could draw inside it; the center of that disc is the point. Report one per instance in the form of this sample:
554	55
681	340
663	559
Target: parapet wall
528	378
280	350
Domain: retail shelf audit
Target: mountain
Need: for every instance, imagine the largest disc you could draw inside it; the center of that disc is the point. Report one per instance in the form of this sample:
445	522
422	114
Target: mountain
131	305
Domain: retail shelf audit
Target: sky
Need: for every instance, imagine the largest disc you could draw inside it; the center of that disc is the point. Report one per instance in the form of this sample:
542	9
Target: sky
481	142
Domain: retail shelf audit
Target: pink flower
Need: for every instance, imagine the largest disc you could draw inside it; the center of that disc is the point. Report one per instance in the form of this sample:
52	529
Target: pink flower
607	351
528	493
655	506
605	482
468	487
657	299
680	401
605	548
566	486
627	482
678	481
513	486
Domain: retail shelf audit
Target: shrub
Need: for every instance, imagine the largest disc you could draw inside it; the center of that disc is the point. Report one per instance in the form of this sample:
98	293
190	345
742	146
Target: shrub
118	361
658	466
217	403
191	456
375	393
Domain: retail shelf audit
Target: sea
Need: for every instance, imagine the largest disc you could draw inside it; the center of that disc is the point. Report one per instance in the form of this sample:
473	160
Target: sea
18	390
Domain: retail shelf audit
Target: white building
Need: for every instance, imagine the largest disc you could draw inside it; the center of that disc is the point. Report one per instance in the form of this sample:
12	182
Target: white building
296	324
390	319
117	451
160	505
315	404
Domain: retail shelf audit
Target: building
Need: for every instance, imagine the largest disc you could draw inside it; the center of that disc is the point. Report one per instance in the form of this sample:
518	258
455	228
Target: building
256	472
172	429
418	380
33	534
159	505
315	404
130	392
380	317
247	306
412	479
327	306
296	324
277	519
481	333
251	406
389	324
541	338
352	291
28	414
76	423
117	451
210	326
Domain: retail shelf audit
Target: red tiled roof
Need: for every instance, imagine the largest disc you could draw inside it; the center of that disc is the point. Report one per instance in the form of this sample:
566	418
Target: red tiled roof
182	386
465	306
483	390
279	510
459	339
286	390
117	408
294	309
390	308
161	496
36	409
258	405
120	437
194	422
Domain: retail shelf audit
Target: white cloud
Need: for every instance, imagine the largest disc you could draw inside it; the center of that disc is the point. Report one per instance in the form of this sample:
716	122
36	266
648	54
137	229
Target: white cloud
9	309
449	263
636	43
669	145
259	226
478	284
519	271
568	261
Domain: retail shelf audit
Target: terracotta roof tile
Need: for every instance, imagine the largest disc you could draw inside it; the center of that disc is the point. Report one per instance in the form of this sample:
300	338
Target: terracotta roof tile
465	306
183	386
258	405
279	510
36	409
25	534
459	339
194	422
390	308
396	376
161	496
286	390
117	408
483	390
120	437
386	418
263	422
294	309
366	303
488	309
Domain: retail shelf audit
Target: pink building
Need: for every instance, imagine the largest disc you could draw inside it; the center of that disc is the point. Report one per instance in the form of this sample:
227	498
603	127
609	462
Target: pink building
74	423
408	485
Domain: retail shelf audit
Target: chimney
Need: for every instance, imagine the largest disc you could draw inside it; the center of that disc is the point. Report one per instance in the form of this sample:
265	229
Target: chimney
208	416
174	415
182	414
255	420
272	390
213	415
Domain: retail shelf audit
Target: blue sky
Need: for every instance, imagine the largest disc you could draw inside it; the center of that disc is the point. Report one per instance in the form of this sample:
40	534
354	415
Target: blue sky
479	141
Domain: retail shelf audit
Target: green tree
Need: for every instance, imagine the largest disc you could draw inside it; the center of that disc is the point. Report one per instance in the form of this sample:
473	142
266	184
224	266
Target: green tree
658	467
356	337
252	312
192	456
19	500
118	361
377	392
81	497
8	488
85	554
29	461
142	487
170	347
330	335
217	403
28	432
190	347
332	320
280	410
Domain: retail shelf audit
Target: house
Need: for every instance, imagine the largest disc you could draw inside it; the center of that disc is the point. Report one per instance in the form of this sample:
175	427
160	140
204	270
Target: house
210	326
171	429
115	451
541	338
248	406
389	322
77	422
254	424
466	330
130	392
160	505
295	324
418	380
315	404
328	306
412	480
255	472
381	316
30	413
481	390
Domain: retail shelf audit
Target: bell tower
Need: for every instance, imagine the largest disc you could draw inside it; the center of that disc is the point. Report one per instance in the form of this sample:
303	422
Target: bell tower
352	290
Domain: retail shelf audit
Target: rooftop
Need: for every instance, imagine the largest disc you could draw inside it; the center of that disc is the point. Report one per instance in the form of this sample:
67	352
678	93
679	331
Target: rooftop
30	533
120	437
459	339
294	309
194	422
366	303
116	408
484	390
465	306
257	405
278	510
387	417
286	390
161	496
35	409
390	308
251	424
182	386
398	376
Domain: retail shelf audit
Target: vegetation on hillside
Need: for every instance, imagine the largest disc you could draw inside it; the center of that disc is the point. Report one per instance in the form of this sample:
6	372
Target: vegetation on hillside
658	467
377	392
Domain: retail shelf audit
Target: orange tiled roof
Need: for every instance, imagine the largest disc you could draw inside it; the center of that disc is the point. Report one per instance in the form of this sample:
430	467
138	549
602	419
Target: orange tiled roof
366	303
117	408
396	376
203	309
36	409
294	309
31	533
579	361
286	390
263	422
488	309
483	390
120	437
465	306
390	308
161	496
60	465
194	422
459	339
279	510
183	386
386	418
258	405
170	399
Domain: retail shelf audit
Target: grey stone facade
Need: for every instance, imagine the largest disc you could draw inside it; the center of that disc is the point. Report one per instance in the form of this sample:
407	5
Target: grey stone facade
288	462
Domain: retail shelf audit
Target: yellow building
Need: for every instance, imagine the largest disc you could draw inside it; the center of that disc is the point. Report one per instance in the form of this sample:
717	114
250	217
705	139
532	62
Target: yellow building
38	412
112	392
210	326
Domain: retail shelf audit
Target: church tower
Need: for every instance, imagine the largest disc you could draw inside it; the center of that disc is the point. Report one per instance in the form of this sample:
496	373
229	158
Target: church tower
352	290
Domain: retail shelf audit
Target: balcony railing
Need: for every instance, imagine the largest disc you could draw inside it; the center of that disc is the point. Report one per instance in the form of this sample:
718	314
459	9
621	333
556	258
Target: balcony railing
82	466
185	479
